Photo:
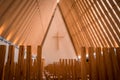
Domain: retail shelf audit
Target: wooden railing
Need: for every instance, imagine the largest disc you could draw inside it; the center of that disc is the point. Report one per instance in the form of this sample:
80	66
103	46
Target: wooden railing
101	64
24	69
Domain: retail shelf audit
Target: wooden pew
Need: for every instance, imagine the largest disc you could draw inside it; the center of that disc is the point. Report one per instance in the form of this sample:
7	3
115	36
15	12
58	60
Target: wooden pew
2	59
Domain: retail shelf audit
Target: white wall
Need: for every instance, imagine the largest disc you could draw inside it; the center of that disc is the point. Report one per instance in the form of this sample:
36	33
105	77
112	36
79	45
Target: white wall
50	51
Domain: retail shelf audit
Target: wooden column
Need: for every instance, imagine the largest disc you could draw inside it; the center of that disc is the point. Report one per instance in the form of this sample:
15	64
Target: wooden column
22	62
74	69
102	67
28	63
64	69
83	64
108	63
92	62
98	54
20	73
25	68
77	70
55	70
116	70
69	68
61	67
118	55
58	70
39	60
36	69
16	70
118	59
2	59
9	68
62	72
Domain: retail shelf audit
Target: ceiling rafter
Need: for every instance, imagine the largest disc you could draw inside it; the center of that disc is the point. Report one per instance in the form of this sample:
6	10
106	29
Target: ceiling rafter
94	20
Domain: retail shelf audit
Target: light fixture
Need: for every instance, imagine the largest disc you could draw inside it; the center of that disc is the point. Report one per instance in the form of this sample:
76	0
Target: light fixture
58	1
87	56
79	57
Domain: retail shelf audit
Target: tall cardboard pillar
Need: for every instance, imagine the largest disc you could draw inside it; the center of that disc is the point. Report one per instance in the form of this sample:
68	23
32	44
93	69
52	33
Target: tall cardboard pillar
83	64
118	58
28	63
25	68
20	73
35	70
54	70
98	54
115	66
73	69
9	68
64	63
102	66
16	70
64	69
61	67
108	63
92	62
118	55
77	69
2	59
69	69
39	60
58	70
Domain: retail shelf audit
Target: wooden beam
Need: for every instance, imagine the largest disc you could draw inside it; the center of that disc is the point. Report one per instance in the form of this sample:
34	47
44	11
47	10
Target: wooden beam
68	30
48	27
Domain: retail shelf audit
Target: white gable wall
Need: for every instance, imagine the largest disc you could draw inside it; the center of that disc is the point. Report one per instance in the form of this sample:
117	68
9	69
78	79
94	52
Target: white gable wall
66	50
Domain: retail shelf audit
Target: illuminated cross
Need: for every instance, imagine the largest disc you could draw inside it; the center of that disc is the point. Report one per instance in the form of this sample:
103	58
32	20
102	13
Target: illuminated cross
57	38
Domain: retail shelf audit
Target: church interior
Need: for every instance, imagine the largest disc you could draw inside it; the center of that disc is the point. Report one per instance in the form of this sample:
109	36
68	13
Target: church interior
59	39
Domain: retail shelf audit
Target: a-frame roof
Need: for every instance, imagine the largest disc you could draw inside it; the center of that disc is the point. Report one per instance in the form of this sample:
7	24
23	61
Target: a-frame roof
90	23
